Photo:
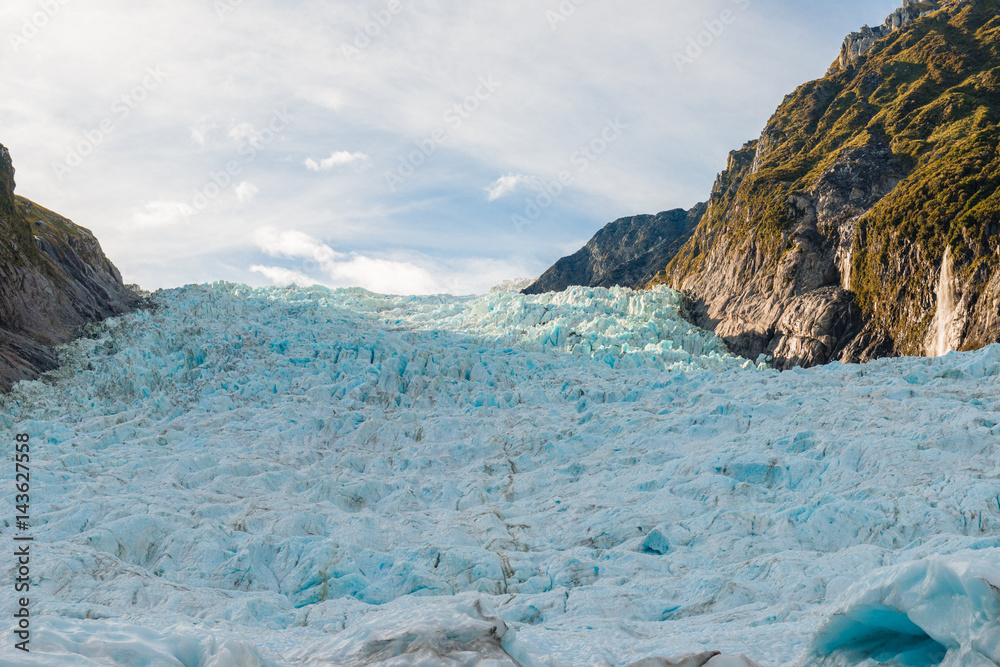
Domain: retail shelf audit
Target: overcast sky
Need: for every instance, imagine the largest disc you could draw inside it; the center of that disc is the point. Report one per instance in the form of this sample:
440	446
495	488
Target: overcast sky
406	146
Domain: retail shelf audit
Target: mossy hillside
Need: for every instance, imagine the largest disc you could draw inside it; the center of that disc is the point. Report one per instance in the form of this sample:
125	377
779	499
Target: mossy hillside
931	91
50	226
54	278
941	109
27	226
693	254
16	244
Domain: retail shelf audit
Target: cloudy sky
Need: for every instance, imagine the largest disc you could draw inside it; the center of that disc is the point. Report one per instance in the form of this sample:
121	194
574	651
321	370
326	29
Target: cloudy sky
406	146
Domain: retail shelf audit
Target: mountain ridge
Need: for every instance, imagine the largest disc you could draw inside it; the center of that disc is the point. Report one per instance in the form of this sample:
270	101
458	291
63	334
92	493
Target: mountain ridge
54	278
824	239
627	252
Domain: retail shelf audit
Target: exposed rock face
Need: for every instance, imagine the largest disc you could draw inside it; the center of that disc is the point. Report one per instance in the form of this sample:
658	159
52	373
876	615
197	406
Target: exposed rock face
627	252
798	308
857	44
703	659
6	181
823	240
53	279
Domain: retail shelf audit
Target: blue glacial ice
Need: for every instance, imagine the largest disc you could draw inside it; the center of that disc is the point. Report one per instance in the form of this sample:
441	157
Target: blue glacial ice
927	612
290	476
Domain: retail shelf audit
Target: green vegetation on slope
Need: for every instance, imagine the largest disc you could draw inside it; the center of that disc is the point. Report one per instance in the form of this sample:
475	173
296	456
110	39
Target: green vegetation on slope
54	278
931	91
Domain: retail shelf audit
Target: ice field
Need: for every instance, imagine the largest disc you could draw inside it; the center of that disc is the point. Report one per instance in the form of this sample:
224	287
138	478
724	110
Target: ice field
291	476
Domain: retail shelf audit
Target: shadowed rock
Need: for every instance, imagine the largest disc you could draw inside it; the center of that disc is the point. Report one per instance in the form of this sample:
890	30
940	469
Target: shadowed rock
54	278
627	252
824	239
703	659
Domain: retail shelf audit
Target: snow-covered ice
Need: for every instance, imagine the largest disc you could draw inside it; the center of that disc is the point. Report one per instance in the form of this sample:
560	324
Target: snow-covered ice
290	476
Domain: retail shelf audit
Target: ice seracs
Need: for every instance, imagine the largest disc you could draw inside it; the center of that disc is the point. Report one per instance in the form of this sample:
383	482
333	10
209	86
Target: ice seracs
303	476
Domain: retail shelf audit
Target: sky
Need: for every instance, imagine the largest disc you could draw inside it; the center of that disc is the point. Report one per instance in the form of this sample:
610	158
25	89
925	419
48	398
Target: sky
404	146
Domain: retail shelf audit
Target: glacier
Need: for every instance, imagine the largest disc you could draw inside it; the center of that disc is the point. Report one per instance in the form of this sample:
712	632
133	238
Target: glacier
305	476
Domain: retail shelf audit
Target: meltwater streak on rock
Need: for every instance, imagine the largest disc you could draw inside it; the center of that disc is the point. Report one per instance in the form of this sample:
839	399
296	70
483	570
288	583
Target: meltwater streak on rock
866	165
821	239
944	316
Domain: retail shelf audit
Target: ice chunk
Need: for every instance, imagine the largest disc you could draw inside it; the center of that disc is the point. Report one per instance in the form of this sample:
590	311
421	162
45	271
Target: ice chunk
703	659
656	543
454	631
935	611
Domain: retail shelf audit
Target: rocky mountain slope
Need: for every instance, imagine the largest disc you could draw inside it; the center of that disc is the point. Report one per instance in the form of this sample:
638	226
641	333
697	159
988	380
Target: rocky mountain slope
826	238
53	279
627	252
865	220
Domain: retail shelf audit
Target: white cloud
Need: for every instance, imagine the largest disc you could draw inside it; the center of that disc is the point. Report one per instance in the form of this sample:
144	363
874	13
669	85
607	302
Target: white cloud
294	245
227	78
282	276
161	214
337	159
244	132
198	134
384	275
246	191
505	185
342	269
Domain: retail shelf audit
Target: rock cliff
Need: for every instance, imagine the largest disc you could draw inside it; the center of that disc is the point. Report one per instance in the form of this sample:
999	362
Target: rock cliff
627	252
826	238
857	44
863	222
54	278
